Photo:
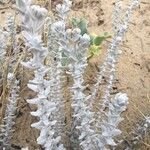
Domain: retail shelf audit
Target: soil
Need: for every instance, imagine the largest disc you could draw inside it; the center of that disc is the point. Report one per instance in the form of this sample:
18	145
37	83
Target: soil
132	76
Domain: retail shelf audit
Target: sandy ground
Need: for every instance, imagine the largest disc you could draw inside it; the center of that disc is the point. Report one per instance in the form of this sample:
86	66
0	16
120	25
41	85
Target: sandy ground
132	76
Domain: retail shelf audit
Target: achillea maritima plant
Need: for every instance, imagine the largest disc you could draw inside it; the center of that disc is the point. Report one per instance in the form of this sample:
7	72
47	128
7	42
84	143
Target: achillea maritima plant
3	43
9	119
109	66
109	128
90	131
9	96
82	114
75	46
48	91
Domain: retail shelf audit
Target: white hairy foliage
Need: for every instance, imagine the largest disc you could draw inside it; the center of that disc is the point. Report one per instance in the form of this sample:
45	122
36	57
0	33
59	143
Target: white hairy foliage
109	66
64	9
3	43
8	121
25	148
75	46
33	18
82	115
117	16
11	30
109	126
7	35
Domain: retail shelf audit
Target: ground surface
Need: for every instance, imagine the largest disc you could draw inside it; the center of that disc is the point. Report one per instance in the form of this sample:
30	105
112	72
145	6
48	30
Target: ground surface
133	70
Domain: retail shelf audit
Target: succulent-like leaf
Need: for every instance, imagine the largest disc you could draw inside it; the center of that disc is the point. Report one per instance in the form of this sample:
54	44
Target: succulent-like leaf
81	24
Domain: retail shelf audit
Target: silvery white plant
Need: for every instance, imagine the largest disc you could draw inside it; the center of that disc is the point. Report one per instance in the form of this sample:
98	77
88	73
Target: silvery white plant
116	20
9	119
82	115
63	9
58	28
56	73
114	51
109	127
5	36
56	35
3	43
75	47
109	66
76	69
33	18
25	148
12	31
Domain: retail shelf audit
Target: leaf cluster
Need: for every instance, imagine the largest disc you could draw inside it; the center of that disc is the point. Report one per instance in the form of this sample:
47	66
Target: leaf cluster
95	40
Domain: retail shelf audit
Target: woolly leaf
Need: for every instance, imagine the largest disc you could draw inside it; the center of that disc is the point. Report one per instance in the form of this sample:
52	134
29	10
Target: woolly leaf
22	4
82	135
33	87
37	113
111	142
42	138
33	101
37	125
115	132
25	148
